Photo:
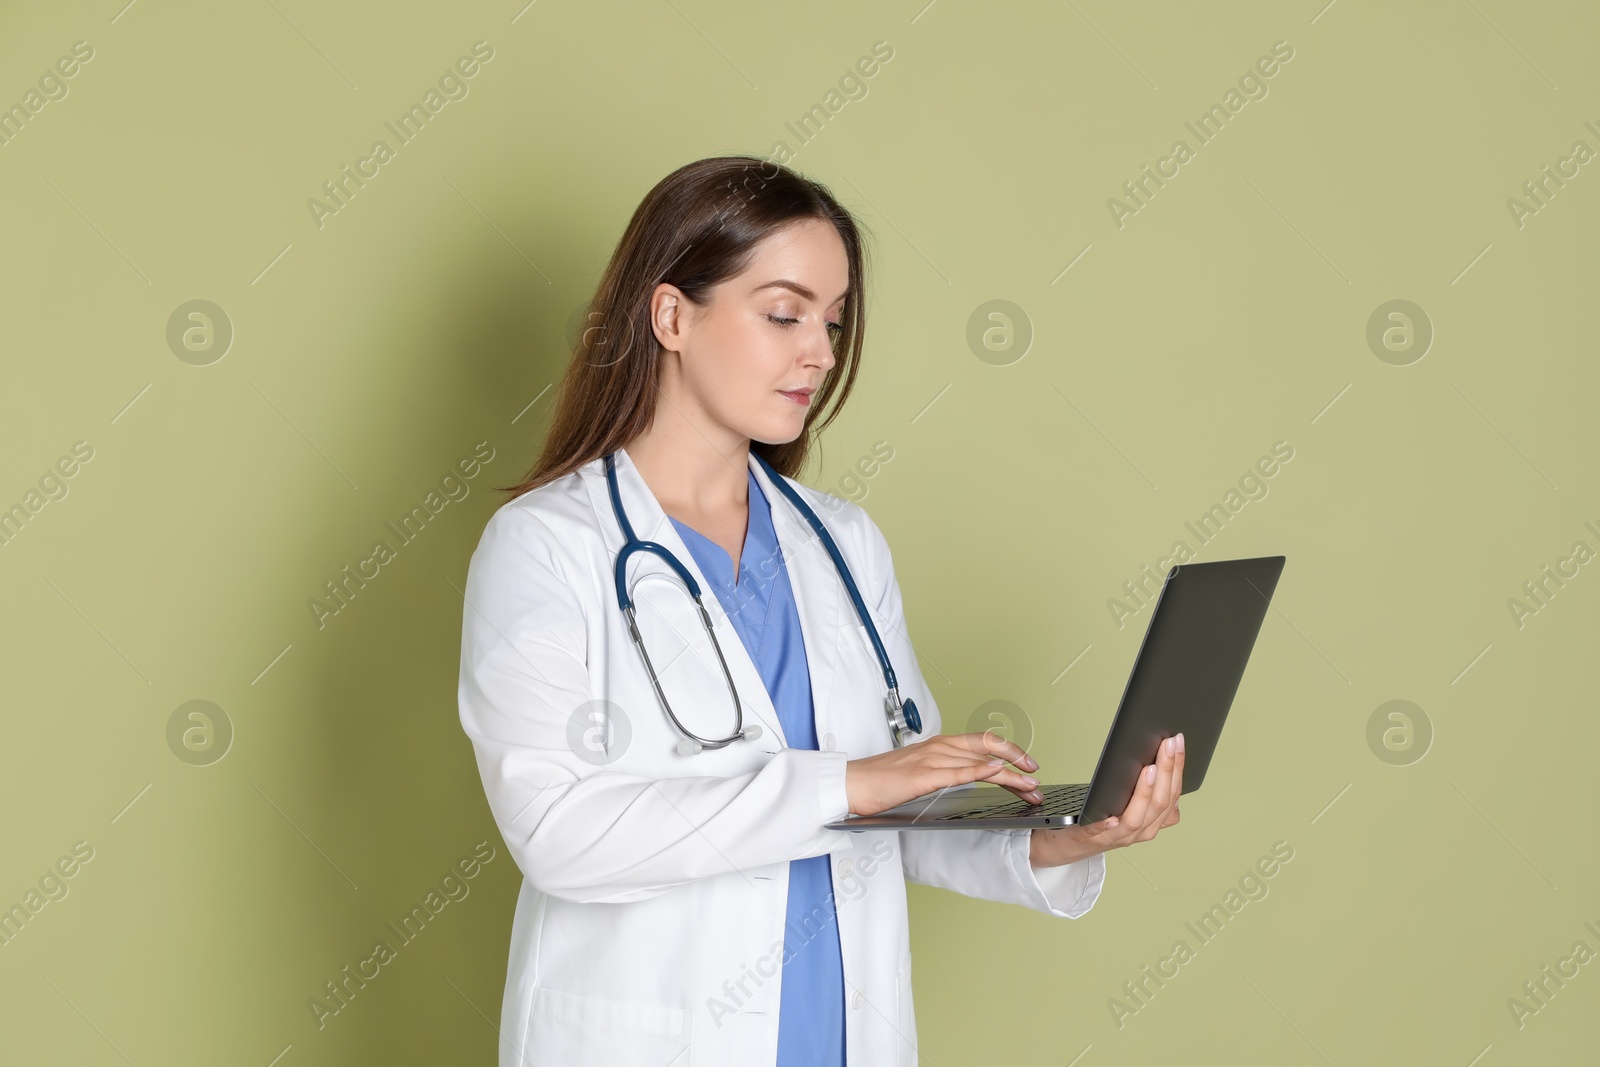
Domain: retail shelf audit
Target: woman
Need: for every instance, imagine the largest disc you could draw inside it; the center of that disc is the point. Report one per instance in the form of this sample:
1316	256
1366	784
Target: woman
682	902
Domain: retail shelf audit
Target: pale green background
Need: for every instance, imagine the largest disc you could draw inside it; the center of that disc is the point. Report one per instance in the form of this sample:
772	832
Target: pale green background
430	312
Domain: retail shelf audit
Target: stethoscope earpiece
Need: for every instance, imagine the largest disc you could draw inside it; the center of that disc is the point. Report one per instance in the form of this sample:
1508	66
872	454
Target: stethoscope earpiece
690	747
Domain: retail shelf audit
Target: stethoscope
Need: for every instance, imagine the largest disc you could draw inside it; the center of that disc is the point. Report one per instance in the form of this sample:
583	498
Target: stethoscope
904	721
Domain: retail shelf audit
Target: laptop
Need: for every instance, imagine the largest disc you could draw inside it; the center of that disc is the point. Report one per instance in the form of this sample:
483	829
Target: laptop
1184	678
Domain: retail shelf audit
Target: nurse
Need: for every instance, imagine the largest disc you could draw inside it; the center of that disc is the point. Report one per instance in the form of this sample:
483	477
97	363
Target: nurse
689	907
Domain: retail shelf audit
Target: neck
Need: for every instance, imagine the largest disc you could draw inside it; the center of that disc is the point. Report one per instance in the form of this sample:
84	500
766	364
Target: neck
692	465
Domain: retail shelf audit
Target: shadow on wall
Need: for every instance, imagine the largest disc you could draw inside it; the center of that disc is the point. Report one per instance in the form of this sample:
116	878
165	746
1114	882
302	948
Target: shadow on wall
411	967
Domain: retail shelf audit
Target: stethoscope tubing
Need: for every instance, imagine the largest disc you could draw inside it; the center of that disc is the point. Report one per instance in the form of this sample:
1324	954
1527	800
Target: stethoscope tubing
903	718
839	564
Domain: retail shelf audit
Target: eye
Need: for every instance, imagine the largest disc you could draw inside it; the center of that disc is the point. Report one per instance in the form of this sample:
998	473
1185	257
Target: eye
834	328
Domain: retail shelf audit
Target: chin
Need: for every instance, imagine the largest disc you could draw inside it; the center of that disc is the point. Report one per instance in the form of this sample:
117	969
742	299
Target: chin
778	432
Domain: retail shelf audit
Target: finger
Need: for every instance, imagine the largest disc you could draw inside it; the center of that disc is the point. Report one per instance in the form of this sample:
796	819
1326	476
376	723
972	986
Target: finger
1173	783
991	743
954	758
997	745
1026	787
1027	796
996	772
1162	793
1104	826
1110	832
986	746
1177	789
1162	796
1029	793
969	744
1138	810
958	774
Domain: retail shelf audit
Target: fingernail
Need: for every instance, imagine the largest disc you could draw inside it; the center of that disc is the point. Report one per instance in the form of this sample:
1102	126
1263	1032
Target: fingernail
1180	742
1030	782
1172	745
1029	763
1150	773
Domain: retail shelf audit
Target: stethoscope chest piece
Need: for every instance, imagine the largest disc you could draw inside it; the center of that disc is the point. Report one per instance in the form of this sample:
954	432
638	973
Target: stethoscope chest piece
904	720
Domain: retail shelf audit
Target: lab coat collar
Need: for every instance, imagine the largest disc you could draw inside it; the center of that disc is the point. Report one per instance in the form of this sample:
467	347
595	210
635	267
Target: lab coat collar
818	592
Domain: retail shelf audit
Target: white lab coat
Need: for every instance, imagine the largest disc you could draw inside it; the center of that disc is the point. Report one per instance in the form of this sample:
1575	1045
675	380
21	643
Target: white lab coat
649	928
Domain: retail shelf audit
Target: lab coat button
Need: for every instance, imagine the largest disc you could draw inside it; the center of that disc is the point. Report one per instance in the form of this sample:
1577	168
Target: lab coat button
859	999
827	742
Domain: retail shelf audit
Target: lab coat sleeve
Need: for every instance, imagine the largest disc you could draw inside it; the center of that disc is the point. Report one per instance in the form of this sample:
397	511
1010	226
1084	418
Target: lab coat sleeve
584	831
985	863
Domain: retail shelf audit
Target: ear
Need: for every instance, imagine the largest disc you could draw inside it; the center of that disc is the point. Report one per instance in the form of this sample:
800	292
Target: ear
669	316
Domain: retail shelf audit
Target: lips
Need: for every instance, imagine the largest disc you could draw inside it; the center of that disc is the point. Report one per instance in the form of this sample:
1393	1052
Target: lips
799	396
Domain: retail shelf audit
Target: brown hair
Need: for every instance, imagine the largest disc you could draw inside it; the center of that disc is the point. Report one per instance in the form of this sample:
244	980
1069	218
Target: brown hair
695	229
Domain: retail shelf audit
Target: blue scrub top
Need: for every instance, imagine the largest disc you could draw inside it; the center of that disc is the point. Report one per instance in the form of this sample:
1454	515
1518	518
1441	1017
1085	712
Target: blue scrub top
762	609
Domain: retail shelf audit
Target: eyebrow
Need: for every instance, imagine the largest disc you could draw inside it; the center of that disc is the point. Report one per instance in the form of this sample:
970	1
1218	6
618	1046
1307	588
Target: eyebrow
796	287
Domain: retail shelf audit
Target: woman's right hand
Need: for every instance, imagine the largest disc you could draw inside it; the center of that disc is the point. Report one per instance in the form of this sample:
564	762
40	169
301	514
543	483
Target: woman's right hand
878	783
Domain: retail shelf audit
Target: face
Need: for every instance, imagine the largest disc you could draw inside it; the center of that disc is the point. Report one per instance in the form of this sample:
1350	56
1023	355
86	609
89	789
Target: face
750	358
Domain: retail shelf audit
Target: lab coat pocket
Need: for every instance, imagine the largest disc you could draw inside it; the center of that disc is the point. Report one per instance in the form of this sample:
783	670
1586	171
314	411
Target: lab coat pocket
568	1028
866	642
905	1021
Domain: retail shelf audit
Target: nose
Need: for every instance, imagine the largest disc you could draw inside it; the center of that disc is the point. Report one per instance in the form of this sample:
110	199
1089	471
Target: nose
819	352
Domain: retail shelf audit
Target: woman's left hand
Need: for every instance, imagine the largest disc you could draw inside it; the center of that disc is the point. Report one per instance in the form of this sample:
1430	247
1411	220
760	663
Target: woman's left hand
1154	807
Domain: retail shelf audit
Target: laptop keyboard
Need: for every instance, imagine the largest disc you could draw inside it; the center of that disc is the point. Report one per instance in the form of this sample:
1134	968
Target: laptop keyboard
1058	800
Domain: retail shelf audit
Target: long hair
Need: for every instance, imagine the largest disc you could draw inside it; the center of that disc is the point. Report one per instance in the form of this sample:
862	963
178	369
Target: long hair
698	227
